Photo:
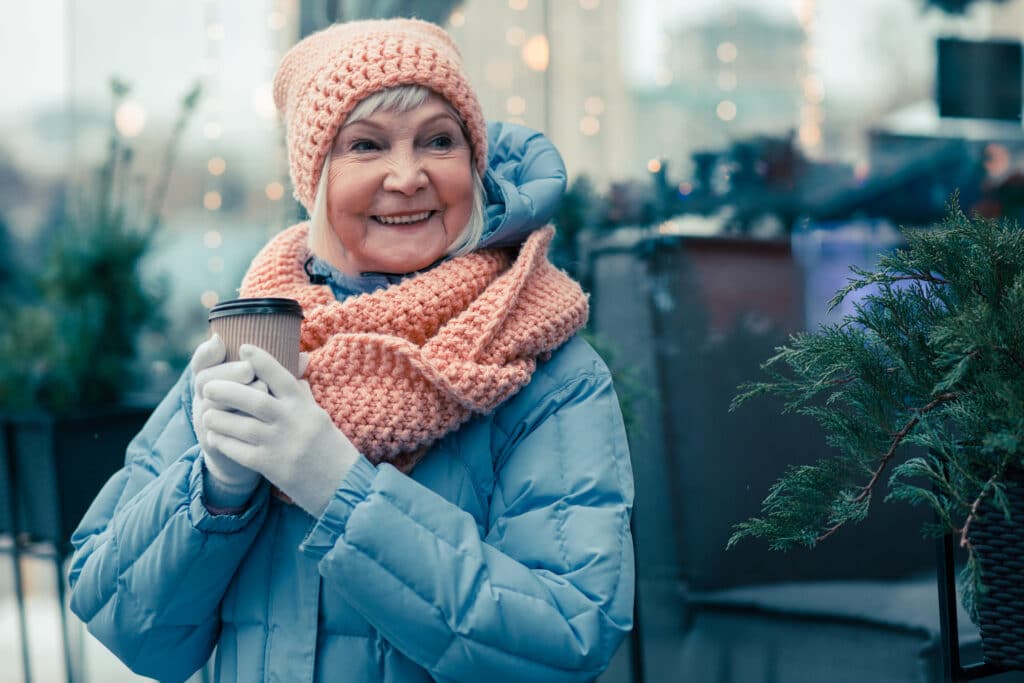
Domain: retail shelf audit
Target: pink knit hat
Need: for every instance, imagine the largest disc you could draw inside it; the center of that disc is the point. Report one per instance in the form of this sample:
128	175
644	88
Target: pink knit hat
325	75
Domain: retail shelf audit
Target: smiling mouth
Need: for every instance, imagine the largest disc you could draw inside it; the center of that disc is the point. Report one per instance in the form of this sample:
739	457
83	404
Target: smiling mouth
406	219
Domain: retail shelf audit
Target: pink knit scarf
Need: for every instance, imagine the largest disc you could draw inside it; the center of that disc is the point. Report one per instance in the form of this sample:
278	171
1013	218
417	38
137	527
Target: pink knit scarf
399	368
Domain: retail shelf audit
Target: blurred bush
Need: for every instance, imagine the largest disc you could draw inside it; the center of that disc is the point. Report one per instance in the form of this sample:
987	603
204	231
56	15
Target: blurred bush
69	339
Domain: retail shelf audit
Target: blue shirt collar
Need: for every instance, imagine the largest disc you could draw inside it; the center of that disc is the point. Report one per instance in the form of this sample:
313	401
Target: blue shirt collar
345	286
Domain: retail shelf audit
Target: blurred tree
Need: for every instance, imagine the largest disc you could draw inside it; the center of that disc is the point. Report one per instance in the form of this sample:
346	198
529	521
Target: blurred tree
956	6
72	340
574	215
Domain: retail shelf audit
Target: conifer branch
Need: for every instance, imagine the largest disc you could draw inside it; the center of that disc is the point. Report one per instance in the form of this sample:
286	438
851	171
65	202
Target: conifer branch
1011	355
897	439
925	277
955	337
964	540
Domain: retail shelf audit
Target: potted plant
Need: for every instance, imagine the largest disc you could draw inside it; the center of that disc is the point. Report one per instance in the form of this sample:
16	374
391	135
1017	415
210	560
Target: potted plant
68	347
930	361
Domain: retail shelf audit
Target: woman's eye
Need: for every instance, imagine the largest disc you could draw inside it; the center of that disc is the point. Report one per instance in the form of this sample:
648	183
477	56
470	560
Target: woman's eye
441	142
363	146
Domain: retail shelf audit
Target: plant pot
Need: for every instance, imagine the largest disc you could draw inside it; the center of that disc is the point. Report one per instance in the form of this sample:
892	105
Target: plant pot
999	544
55	465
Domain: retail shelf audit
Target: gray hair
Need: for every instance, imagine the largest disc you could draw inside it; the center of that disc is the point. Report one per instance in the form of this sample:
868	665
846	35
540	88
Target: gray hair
322	240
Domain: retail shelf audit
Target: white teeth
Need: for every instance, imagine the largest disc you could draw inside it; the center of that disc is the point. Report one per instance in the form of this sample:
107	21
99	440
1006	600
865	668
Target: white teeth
402	220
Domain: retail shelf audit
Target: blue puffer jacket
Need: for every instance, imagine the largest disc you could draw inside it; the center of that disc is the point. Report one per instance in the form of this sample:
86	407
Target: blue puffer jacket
505	555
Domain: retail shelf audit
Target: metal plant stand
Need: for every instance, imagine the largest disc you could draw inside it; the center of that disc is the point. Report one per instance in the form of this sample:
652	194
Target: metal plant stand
954	670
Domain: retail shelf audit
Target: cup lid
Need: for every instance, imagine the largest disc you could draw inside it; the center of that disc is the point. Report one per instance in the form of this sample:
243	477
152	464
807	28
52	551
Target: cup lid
256	307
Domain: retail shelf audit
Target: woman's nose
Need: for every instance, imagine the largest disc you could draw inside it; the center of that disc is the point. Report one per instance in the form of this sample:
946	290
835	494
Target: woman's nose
405	174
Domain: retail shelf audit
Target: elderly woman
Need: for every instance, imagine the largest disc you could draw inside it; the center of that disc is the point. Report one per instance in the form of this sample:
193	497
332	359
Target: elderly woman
445	493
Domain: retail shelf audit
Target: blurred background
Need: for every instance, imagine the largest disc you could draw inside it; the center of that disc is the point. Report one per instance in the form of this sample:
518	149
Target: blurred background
728	161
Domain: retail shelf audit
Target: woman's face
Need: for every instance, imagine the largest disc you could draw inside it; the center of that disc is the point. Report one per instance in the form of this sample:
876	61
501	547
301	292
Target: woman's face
399	188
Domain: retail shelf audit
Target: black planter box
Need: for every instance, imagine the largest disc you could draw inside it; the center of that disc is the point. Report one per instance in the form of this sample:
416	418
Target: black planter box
55	465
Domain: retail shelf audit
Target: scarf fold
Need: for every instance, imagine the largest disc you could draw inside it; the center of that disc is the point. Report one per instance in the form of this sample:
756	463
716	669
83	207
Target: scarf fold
398	368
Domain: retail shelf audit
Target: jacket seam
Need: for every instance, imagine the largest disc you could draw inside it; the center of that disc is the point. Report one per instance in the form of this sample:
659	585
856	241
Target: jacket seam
551	394
561	506
455	635
494	586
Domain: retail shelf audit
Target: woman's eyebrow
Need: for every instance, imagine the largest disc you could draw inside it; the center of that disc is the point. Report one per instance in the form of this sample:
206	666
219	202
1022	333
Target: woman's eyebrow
440	115
364	122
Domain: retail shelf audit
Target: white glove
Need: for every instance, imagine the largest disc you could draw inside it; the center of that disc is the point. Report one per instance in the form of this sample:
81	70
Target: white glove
226	484
284	434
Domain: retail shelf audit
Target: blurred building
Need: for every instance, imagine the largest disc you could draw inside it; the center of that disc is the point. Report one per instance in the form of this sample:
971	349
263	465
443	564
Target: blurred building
553	66
734	74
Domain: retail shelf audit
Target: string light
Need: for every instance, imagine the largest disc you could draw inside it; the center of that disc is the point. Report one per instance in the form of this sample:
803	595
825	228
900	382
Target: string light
212	201
212	239
457	19
727	52
216	166
515	105
654	165
590	125
130	118
213	130
594	105
278	42
518	5
812	111
536	53
274	191
726	110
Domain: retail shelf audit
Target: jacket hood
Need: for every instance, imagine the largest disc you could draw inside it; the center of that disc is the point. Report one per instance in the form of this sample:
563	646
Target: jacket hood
524	183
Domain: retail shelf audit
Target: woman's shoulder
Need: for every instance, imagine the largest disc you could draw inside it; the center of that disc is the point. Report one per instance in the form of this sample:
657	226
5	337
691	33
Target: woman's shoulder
574	371
576	358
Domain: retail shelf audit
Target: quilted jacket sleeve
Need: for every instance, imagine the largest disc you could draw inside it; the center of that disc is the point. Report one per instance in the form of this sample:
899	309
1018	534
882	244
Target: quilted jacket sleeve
150	563
545	593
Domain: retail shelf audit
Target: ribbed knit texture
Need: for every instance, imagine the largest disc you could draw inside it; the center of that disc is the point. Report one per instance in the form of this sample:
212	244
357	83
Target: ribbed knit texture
399	368
325	75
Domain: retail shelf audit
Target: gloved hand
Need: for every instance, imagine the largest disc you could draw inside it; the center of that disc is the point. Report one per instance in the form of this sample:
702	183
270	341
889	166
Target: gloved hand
283	434
226	484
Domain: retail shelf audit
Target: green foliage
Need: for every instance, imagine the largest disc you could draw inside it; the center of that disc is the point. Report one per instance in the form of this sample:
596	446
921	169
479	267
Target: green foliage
572	218
628	387
956	6
72	343
932	358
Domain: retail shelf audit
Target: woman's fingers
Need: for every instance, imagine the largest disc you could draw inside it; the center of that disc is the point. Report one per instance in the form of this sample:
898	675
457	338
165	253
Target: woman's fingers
279	380
238	426
241	452
250	399
239	371
209	353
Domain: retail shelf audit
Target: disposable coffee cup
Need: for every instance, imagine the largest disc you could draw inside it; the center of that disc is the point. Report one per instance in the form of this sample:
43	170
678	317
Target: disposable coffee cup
272	324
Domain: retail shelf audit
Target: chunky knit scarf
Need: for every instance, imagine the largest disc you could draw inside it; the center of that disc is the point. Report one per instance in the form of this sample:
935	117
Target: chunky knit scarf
399	368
